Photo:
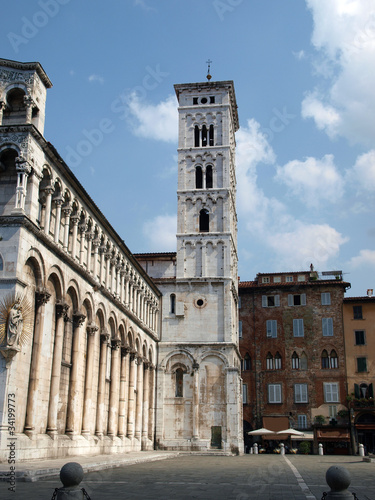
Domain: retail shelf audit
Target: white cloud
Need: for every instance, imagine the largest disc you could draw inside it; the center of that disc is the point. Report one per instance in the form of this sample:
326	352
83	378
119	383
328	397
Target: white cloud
96	78
313	180
344	35
159	121
144	6
363	172
365	258
161	233
299	55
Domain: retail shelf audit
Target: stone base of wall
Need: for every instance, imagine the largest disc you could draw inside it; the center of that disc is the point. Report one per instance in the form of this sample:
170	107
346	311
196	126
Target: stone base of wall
43	447
201	446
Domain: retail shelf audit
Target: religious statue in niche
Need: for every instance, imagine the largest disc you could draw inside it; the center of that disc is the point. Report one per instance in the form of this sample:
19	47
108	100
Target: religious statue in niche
15	324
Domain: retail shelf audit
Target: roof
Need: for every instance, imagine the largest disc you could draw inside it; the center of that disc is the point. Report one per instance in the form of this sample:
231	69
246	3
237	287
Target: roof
365	298
150	255
256	284
31	66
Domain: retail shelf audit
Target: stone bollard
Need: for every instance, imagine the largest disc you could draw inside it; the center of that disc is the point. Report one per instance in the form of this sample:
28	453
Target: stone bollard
255	449
320	450
251	450
71	474
361	450
282	449
338	479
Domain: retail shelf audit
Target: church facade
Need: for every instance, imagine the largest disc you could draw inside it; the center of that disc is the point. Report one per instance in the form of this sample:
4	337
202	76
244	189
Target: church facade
104	351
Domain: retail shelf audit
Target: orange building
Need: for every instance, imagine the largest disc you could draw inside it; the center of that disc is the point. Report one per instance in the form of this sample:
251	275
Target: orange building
359	329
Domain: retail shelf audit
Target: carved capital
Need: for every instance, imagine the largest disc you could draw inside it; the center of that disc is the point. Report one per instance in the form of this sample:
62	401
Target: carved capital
104	337
74	219
28	101
42	297
195	366
62	310
67	210
92	328
58	201
48	190
78	319
133	354
22	165
115	344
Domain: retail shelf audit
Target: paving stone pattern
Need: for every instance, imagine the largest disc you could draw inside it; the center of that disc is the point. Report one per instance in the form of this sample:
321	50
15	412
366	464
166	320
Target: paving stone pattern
266	477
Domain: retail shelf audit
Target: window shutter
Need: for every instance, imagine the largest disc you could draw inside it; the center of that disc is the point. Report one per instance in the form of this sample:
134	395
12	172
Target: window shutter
290	300
278	393
356	391
277	300
264	300
335	393
303	299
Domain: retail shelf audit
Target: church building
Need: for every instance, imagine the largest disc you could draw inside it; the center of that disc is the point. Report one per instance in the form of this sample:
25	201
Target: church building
102	350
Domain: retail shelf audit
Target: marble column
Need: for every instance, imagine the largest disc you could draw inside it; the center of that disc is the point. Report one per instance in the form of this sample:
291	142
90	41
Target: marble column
67	210
74	386
23	171
196	402
89	237
139	399
108	269
89	396
96	243
104	338
124	392
102	251
131	404
146	401
58	202
29	103
151	411
75	220
114	391
82	230
47	219
61	318
2	106
41	299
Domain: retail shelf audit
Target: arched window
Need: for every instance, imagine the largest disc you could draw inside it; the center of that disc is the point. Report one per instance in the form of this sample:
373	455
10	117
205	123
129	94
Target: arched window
295	361
211	135
303	362
15	110
204	221
208	177
325	359
204	136
334	362
247	362
179	383
196	136
277	361
172	303
269	360
198	178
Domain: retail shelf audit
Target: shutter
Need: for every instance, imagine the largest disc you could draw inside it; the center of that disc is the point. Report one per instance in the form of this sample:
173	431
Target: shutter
305	398
274	328
290	300
330	326
324	327
277	300
297	389
356	391
303	299
278	393
335	393
264	300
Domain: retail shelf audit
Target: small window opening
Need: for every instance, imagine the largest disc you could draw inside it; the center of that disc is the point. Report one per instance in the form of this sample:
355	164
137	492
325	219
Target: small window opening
211	135
173	303
200	302
204	136
212	99
204	221
295	361
204	100
179	383
196	136
209	177
247	362
195	100
198	178
325	359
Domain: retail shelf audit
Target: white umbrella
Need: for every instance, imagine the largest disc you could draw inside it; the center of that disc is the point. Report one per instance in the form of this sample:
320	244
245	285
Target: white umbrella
260	432
292	432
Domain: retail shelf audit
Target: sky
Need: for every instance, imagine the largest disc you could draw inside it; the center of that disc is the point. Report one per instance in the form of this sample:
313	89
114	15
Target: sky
304	78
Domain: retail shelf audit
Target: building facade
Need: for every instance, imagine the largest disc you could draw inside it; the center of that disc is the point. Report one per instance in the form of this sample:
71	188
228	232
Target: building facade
79	317
292	346
359	327
103	351
199	404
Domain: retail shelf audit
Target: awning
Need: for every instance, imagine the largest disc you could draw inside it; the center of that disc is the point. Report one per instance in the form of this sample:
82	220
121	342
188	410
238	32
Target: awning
332	435
276	424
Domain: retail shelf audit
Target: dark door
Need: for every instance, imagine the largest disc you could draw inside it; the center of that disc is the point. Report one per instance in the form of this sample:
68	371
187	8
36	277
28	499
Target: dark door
216	437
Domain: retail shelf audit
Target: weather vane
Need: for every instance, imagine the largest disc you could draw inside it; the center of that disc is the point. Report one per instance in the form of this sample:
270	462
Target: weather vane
208	70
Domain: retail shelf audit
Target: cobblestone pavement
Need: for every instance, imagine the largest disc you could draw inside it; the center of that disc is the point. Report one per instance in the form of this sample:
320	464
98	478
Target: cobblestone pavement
266	477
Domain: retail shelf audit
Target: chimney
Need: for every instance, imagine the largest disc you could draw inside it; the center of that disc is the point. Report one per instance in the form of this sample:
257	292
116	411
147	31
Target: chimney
370	292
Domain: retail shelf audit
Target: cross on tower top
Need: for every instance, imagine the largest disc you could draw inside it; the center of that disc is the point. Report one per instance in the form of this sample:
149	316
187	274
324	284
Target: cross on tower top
208	70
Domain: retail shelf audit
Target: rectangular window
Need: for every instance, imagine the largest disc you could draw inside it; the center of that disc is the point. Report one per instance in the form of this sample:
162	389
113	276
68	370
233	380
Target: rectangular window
270	363
327	327
298	328
331	392
244	394
195	100
271	325
265	279
274	393
360	337
357	312
277	279
297	300
240	329
289	279
302	422
300	393
301	277
270	300
361	365
212	99
326	298
277	362
332	411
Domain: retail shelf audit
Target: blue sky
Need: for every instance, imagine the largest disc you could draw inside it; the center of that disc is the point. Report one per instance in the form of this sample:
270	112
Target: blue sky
304	80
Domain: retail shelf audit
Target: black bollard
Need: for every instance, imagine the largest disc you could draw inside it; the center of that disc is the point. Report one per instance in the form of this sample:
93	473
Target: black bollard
71	475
